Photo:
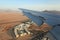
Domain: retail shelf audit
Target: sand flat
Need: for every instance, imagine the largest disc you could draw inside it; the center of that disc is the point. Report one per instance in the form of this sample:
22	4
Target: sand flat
8	21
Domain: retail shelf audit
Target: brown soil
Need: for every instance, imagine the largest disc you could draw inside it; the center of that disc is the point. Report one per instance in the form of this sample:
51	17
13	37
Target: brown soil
10	19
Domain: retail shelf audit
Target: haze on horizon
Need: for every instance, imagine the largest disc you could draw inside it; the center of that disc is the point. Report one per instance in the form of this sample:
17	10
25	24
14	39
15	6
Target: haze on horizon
30	4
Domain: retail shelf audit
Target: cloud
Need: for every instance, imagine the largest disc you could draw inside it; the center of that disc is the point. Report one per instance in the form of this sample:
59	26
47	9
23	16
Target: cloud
42	7
33	7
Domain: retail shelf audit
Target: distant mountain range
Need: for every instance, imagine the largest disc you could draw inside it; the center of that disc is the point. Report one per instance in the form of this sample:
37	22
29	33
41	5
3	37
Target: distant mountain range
52	11
8	10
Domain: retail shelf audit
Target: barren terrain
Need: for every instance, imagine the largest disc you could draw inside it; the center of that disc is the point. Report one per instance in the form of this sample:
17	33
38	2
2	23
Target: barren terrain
10	19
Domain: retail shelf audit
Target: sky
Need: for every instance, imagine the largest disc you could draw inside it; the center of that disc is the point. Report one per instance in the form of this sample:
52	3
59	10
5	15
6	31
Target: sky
30	4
